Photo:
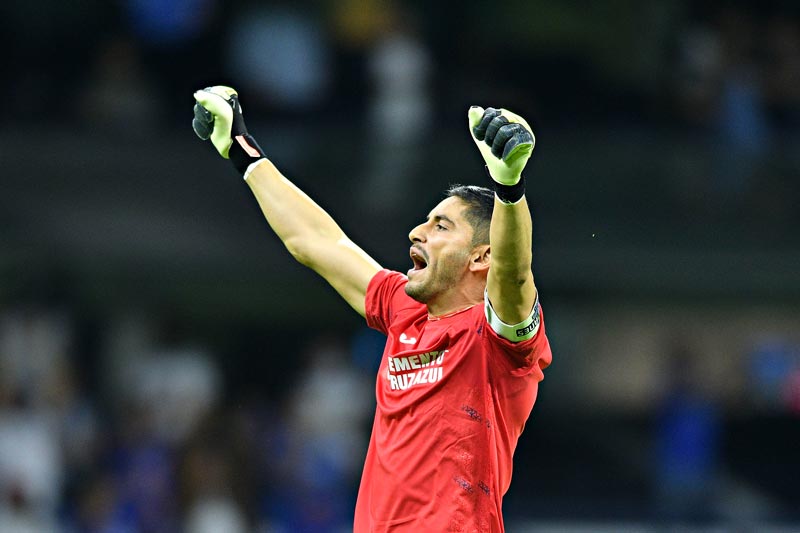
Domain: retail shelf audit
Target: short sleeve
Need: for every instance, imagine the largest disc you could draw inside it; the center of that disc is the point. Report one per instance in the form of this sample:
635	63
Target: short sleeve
384	295
532	355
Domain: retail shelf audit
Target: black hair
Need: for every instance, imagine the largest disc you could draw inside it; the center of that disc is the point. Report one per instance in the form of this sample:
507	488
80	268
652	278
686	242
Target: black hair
480	204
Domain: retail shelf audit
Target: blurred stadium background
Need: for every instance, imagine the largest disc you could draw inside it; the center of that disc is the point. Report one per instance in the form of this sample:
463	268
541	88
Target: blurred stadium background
166	367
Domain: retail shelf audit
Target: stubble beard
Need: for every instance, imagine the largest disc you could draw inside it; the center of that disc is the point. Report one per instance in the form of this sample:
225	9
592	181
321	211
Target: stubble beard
419	290
441	277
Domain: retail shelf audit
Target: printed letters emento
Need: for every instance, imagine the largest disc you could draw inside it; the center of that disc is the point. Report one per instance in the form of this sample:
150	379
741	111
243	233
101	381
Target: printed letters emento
408	371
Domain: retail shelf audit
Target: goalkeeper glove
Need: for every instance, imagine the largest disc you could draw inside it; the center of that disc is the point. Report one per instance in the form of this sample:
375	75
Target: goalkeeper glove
506	143
218	116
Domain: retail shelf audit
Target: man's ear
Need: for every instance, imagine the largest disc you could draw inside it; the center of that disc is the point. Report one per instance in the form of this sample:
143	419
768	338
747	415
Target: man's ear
480	257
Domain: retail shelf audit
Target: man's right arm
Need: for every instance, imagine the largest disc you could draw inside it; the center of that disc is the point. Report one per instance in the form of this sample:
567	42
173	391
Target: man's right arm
311	235
307	231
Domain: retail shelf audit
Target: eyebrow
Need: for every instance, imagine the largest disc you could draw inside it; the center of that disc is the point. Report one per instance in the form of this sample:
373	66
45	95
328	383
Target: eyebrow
439	218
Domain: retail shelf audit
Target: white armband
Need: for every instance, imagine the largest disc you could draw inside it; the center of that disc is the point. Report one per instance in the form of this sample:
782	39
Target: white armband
517	332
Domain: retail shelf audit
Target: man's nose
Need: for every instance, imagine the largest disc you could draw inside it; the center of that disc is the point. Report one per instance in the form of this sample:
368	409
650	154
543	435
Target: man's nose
417	234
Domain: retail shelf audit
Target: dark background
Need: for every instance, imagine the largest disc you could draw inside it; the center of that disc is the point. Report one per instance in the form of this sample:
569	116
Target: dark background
166	366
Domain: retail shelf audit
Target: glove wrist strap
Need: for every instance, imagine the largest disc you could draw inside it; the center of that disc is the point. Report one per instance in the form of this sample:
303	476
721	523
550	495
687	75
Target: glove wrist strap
510	194
244	151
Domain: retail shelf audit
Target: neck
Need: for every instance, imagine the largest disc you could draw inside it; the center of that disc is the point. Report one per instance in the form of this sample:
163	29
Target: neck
454	302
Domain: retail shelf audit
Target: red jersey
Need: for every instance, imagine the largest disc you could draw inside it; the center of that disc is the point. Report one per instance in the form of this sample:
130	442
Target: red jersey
453	398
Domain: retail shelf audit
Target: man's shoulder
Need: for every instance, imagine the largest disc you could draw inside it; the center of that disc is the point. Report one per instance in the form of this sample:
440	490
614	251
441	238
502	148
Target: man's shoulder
386	291
386	277
388	285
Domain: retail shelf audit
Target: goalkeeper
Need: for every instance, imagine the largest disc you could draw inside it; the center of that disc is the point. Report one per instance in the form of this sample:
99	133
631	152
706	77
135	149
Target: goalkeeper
466	342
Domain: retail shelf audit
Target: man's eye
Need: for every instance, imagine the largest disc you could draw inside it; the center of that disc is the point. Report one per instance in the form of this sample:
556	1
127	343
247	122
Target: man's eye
440	227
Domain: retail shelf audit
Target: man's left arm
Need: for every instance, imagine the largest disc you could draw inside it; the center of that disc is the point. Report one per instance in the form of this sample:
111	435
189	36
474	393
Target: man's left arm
509	283
506	142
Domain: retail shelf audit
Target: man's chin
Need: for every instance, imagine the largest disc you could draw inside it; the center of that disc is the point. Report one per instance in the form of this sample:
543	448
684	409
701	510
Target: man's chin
416	291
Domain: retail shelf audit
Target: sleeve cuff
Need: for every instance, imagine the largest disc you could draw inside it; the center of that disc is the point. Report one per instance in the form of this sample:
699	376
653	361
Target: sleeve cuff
252	166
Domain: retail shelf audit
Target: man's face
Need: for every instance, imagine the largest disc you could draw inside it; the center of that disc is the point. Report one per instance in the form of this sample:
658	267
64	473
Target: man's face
440	250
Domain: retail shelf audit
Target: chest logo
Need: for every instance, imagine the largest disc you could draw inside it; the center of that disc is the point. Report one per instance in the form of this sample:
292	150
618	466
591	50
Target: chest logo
407	340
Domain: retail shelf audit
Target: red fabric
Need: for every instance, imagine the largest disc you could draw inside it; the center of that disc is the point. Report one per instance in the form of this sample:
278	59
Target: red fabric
453	399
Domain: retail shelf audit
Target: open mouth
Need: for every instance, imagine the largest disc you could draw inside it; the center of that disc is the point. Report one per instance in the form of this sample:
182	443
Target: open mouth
418	259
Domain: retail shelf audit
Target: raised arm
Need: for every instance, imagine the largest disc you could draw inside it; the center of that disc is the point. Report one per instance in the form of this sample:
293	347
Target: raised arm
307	231
506	142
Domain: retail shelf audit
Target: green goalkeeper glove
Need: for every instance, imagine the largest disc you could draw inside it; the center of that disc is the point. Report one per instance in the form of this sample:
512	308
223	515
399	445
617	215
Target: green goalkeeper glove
218	116
505	142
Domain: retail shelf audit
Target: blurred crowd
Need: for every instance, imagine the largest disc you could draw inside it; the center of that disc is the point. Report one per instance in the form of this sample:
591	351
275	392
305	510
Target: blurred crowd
722	76
136	428
736	83
163	444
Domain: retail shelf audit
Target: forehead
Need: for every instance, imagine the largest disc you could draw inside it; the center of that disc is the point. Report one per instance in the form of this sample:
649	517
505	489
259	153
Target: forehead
451	208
